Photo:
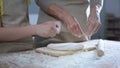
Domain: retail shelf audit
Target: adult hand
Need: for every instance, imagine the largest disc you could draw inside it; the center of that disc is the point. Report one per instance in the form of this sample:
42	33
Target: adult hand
73	26
71	23
48	29
93	22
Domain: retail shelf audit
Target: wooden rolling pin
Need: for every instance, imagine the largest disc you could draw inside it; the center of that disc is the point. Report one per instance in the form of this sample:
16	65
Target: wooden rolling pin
100	48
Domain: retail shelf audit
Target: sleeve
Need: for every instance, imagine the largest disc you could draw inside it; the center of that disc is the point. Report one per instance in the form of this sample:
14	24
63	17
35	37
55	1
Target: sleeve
44	4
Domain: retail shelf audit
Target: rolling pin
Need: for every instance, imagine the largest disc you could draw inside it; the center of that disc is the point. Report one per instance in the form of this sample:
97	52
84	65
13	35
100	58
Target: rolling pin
100	48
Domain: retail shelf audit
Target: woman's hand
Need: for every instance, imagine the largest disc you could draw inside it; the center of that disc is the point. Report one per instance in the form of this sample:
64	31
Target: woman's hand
73	26
93	22
48	29
71	23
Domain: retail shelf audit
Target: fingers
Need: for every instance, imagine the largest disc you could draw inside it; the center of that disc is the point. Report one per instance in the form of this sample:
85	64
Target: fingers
75	29
48	29
90	28
98	25
52	33
55	28
93	27
78	28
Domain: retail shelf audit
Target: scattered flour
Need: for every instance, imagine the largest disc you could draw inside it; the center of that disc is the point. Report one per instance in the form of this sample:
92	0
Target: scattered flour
30	59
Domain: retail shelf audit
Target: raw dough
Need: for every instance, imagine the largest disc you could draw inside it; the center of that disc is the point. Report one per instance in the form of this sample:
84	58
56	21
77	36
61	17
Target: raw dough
66	46
62	49
51	52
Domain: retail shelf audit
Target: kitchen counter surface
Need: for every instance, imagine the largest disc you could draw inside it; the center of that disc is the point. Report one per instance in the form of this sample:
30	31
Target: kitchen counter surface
31	59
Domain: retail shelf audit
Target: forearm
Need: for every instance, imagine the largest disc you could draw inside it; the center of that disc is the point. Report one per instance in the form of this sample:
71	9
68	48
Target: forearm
50	7
58	12
97	6
71	22
44	4
94	22
16	33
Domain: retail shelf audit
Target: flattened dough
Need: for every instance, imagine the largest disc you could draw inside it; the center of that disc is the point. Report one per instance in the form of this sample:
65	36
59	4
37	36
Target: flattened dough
66	46
62	49
51	52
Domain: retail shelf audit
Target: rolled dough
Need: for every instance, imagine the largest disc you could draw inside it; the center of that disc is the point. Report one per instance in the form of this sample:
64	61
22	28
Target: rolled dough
62	49
51	52
66	46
